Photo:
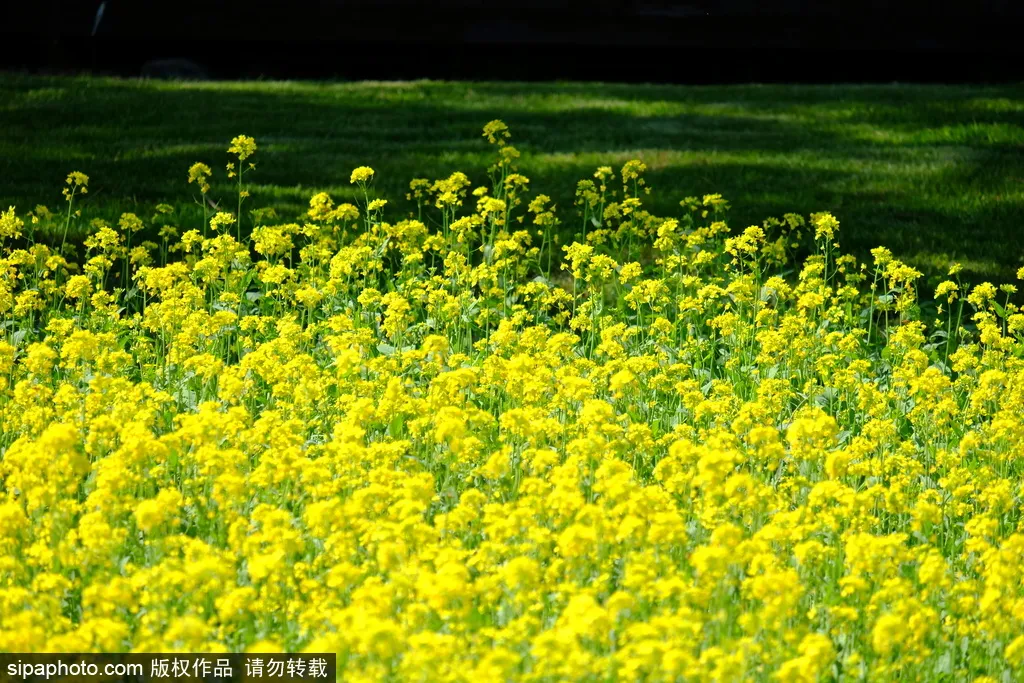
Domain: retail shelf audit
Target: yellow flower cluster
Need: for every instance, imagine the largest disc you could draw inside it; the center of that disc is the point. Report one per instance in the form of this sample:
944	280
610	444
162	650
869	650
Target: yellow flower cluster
429	450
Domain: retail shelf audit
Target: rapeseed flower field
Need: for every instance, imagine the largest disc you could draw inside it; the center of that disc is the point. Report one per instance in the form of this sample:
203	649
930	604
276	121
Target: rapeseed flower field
449	447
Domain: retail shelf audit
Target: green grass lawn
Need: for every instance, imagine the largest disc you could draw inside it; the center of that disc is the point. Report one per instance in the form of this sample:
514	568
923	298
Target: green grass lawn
936	173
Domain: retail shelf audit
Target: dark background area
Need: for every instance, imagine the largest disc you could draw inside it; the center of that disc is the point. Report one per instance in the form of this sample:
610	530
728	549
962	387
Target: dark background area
689	41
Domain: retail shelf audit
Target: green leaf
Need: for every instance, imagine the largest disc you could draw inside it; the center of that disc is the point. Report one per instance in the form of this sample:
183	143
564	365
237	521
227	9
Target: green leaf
396	428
